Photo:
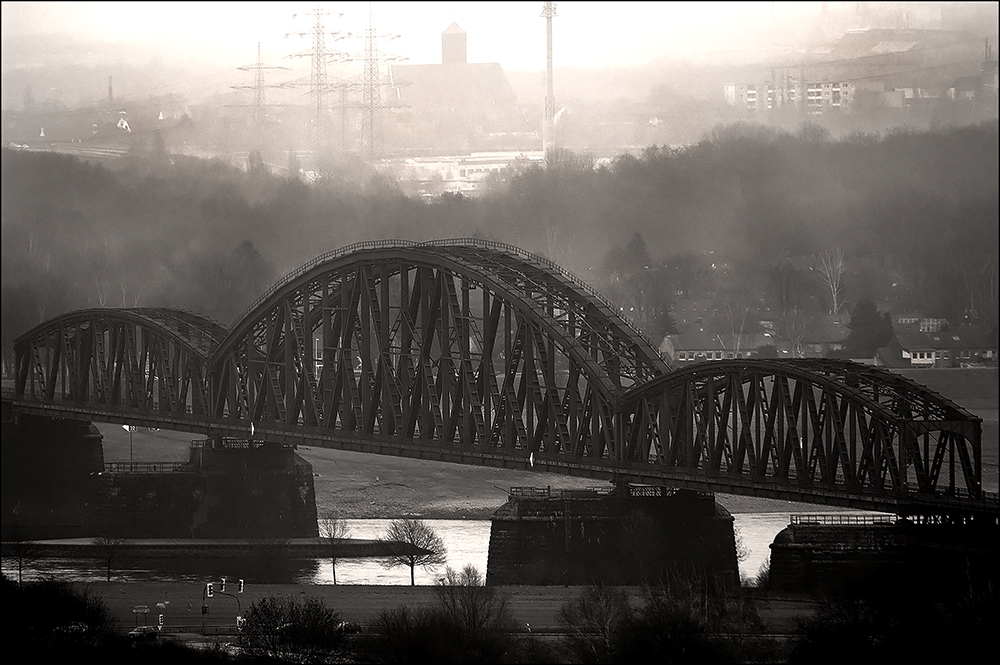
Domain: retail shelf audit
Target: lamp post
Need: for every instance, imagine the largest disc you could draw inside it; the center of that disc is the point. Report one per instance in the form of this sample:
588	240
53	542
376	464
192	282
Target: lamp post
130	429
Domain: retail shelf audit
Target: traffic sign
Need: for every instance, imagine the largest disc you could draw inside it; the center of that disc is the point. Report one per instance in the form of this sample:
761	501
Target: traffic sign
140	609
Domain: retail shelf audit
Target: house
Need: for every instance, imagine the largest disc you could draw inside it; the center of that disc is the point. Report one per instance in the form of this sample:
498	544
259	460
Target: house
950	348
698	346
918	321
695	312
824	334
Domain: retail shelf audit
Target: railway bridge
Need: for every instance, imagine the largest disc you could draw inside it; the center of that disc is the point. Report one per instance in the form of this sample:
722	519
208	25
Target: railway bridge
482	353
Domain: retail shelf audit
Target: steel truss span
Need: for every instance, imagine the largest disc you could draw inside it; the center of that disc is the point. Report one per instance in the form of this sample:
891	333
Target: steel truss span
836	431
140	361
482	353
461	344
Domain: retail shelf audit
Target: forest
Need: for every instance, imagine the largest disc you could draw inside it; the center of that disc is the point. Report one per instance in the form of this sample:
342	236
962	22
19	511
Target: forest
751	217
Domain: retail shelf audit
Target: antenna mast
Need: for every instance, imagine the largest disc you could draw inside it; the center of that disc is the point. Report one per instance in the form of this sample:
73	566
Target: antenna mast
548	129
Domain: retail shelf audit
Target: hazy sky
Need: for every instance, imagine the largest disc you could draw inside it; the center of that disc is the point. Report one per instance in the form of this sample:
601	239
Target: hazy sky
587	34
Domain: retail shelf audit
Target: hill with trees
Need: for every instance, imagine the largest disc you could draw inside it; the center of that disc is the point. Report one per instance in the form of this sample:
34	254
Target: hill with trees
757	219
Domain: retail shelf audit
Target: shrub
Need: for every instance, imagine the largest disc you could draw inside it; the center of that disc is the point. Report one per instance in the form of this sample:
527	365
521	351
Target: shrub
292	630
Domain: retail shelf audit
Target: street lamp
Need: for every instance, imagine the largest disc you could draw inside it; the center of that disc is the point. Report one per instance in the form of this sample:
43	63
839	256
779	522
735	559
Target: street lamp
130	429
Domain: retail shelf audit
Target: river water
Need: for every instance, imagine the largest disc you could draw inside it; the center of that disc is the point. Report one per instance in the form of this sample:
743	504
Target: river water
467	542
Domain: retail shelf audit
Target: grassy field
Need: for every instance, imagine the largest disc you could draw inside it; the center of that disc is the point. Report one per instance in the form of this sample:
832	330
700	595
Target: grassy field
356	485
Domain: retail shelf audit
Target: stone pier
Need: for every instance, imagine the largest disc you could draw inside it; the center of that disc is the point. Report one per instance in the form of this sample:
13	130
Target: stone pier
57	485
857	554
623	536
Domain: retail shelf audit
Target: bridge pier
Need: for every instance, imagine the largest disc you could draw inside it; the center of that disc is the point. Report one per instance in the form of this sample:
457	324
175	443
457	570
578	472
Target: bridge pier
627	535
224	491
49	476
56	485
837	554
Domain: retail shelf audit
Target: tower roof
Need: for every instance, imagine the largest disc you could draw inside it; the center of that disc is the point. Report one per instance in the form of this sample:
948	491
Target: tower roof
453	29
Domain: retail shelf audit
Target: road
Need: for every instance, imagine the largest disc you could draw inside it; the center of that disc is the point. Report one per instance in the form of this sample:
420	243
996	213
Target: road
181	605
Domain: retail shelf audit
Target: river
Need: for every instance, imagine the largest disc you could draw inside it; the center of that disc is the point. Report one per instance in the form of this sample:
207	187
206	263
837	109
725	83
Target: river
467	542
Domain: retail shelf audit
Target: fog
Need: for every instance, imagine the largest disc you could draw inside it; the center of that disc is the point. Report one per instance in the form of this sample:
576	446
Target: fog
683	132
588	34
194	47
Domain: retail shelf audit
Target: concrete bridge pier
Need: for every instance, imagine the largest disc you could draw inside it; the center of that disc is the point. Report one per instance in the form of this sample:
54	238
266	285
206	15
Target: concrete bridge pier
50	479
874	554
627	535
57	485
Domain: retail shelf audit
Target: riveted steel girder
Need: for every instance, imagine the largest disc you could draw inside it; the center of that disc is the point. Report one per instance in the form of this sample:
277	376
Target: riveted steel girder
125	360
479	352
465	344
827	427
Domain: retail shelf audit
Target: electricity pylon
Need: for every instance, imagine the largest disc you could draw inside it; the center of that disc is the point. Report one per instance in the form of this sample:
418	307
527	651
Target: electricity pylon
320	56
371	122
258	91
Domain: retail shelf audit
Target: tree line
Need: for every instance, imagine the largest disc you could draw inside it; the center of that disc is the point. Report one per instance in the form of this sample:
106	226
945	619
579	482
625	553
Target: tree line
756	217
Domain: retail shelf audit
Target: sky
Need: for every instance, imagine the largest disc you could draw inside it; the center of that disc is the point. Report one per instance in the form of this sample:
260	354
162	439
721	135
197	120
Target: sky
586	34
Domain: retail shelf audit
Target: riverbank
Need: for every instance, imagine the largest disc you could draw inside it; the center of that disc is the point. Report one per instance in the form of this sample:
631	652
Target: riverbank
205	548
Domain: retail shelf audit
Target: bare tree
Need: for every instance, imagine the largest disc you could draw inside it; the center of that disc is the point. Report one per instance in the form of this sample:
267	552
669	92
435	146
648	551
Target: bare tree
410	542
111	549
737	314
832	268
642	538
473	606
335	531
592	622
18	548
793	325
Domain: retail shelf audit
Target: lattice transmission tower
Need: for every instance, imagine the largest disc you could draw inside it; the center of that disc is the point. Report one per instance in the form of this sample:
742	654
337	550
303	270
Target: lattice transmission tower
259	104
320	56
371	102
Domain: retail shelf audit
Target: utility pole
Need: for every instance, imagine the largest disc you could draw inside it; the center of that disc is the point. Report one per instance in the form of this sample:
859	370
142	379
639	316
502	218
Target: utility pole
548	129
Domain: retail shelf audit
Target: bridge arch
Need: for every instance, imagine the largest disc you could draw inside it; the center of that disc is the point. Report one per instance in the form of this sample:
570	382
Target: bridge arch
482	353
146	360
461	342
827	428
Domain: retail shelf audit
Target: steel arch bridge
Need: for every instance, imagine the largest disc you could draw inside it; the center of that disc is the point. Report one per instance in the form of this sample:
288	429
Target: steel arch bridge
482	353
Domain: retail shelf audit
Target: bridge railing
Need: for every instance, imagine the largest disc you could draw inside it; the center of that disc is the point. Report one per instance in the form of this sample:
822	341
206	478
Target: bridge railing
837	519
143	467
234	442
557	493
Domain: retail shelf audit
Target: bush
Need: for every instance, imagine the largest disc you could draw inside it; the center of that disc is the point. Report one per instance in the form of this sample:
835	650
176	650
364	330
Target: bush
686	618
292	630
470	624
